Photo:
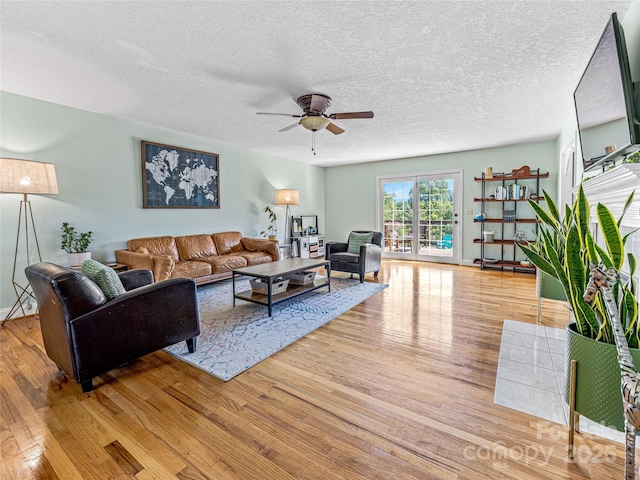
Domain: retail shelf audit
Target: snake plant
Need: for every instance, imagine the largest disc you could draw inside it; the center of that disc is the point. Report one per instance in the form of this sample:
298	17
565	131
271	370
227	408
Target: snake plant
565	247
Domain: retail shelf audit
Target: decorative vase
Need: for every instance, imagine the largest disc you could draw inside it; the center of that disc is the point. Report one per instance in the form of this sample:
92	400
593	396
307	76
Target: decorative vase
76	259
598	393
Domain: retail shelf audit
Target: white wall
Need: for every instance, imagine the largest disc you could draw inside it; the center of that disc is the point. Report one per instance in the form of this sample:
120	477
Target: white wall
350	191
99	173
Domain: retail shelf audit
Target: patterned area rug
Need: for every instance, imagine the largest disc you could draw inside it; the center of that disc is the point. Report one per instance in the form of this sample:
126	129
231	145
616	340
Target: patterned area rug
233	339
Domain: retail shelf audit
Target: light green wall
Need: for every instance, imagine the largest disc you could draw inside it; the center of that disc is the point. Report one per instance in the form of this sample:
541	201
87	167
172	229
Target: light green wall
99	173
350	191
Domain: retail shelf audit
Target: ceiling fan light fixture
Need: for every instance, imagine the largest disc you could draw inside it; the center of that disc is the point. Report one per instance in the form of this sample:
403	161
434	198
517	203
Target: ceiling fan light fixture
314	122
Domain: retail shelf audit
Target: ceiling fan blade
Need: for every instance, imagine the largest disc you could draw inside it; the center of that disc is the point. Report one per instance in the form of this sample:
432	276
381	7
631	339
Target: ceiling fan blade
289	127
350	115
285	114
333	128
318	103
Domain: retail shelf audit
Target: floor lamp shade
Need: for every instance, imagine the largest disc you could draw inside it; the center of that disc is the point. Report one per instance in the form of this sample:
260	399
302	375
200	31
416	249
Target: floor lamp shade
27	176
287	197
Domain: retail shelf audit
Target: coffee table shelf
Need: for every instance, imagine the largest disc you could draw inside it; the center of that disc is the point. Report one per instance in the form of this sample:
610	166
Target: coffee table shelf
274	270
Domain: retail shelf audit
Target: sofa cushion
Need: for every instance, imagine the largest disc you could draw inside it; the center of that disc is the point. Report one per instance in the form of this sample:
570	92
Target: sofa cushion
165	245
228	242
193	247
225	263
105	277
255	258
191	269
358	239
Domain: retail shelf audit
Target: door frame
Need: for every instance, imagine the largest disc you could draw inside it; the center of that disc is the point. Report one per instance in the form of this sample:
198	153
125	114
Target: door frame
458	178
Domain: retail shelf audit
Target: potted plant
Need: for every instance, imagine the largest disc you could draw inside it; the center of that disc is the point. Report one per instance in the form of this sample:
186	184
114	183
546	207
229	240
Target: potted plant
272	228
75	244
565	248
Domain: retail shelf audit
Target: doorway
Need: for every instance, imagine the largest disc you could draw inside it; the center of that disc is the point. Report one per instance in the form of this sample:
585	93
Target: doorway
419	216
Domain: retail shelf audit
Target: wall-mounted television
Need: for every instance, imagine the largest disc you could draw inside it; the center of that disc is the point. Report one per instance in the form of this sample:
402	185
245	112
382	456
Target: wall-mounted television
606	106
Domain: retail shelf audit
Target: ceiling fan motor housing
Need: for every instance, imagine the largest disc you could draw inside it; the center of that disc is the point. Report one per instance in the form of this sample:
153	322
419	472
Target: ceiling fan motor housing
305	103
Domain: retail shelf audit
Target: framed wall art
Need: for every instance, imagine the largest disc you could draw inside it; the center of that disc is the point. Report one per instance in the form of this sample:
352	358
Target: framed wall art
174	177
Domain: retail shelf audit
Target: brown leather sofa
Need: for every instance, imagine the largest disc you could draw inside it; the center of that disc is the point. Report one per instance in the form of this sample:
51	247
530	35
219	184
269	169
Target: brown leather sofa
203	257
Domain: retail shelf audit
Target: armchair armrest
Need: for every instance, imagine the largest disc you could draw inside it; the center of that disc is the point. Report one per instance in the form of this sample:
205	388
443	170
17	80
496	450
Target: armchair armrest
134	324
370	256
335	247
135	278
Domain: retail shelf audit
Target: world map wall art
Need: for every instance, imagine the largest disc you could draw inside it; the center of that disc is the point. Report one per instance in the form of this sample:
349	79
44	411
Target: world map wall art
174	177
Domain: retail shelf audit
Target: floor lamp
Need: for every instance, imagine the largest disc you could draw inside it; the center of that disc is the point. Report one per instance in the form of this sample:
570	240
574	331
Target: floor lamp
25	177
288	198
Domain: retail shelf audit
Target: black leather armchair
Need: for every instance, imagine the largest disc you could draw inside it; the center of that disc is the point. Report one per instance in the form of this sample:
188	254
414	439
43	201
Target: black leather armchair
87	335
368	260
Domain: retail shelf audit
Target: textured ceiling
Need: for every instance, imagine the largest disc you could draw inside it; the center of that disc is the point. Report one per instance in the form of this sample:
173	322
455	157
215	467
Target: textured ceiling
441	76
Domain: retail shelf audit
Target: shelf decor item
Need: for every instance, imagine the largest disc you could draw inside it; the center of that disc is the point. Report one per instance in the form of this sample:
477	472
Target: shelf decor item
262	286
301	278
565	248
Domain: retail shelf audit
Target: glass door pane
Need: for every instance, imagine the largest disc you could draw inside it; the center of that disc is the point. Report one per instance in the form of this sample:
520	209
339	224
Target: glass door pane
438	218
397	214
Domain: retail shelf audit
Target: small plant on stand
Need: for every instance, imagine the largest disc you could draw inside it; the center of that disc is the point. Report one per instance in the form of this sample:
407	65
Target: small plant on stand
272	228
75	244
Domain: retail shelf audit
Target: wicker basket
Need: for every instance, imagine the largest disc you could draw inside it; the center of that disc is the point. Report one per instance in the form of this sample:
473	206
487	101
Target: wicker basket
262	287
301	278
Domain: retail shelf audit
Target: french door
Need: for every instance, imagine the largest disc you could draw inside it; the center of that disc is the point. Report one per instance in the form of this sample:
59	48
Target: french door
419	216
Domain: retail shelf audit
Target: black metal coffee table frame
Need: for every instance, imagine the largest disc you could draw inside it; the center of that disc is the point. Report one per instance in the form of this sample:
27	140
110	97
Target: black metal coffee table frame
273	270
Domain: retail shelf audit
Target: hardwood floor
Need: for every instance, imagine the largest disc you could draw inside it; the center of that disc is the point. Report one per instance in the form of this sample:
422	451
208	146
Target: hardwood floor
400	387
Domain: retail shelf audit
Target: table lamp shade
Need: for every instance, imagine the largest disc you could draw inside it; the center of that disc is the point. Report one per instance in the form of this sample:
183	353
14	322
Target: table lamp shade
287	197
27	176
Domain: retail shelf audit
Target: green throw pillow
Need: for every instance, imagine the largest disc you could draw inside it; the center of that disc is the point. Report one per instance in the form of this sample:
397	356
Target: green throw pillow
357	239
105	277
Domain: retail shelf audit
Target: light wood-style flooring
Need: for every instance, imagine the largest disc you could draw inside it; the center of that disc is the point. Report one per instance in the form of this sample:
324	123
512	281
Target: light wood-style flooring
400	387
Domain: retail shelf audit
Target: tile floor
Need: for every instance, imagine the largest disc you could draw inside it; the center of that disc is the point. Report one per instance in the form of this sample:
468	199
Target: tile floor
531	376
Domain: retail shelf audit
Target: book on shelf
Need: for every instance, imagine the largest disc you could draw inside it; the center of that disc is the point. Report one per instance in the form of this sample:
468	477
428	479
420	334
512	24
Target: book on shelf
509	215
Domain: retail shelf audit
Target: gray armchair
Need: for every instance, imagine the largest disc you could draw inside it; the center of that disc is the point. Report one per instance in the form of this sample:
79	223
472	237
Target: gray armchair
87	335
367	259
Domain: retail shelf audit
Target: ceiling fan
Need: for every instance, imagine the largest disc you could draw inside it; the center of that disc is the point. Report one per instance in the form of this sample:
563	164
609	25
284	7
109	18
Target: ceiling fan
314	118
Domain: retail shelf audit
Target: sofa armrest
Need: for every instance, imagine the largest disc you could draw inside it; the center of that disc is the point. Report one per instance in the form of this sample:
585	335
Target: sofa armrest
335	247
135	278
160	265
262	245
134	324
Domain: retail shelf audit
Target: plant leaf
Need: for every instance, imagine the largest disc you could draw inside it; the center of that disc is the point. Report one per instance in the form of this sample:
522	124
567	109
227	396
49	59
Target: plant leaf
612	236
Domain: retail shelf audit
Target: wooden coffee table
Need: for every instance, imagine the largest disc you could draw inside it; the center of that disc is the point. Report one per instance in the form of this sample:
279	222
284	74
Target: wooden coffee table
273	270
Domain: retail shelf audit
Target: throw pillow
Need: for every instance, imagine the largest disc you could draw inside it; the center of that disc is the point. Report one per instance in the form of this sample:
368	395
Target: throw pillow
105	277
358	239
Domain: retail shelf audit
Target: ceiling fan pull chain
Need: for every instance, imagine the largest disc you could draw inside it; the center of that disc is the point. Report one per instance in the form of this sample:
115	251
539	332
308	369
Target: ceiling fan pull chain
313	142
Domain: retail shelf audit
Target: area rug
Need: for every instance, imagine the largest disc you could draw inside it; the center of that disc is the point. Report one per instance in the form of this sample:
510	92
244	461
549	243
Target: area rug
233	339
